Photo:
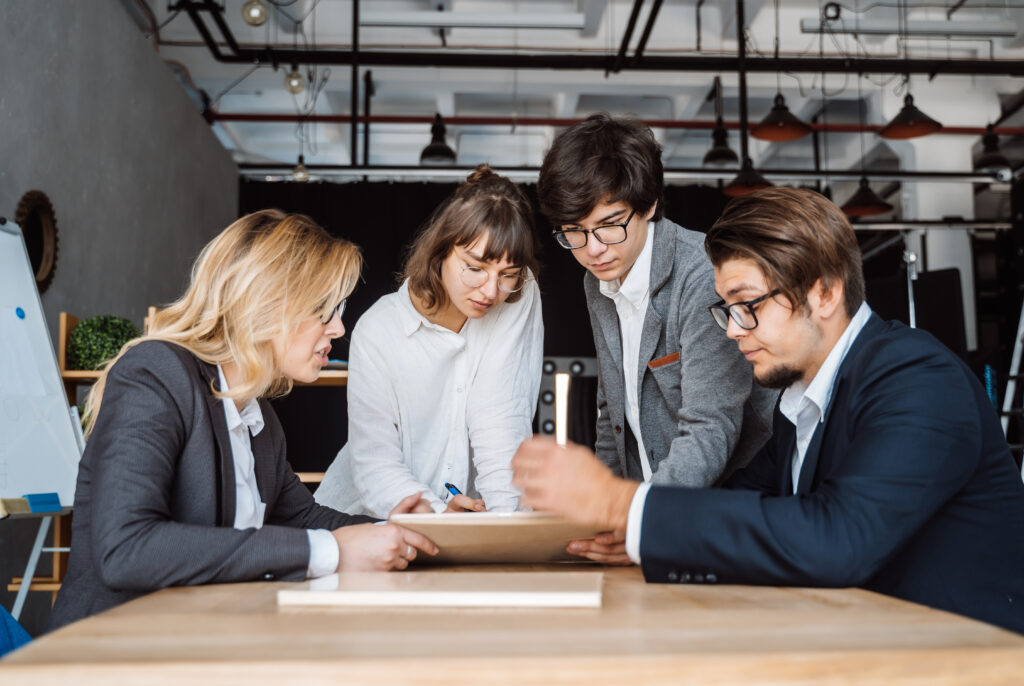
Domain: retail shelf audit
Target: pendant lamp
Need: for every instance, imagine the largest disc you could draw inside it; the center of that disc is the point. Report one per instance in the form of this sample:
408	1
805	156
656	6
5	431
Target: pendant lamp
780	124
991	159
747	181
865	202
909	123
437	152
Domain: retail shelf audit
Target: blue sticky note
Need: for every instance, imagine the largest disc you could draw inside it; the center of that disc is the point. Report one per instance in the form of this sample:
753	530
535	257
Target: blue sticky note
43	502
20	312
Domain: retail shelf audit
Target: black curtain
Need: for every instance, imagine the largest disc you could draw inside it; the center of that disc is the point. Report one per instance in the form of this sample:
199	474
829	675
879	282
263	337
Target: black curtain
382	219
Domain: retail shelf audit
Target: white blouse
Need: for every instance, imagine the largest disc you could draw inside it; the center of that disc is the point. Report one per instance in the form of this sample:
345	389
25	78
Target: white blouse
427	405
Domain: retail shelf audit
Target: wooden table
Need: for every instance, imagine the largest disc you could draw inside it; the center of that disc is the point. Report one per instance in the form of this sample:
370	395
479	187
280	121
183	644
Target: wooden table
644	634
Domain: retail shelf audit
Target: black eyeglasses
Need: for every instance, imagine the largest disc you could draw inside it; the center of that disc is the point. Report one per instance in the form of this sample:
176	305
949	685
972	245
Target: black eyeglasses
742	313
339	308
609	234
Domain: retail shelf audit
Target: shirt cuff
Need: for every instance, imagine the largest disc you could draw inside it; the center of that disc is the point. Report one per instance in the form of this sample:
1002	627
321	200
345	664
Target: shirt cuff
635	521
323	553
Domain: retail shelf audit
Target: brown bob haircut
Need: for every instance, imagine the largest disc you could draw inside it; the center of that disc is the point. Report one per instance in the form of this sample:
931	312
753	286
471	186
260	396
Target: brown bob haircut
485	204
601	159
795	236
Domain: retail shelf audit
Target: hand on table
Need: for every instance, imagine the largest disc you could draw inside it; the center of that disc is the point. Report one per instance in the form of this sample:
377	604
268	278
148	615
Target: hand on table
570	481
381	547
608	548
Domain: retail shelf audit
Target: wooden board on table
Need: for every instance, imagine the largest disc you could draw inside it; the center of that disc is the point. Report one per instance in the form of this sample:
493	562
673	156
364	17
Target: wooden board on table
495	537
438	588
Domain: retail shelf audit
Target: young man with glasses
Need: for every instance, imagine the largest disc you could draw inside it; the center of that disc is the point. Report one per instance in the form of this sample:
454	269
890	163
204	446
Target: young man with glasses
674	396
887	468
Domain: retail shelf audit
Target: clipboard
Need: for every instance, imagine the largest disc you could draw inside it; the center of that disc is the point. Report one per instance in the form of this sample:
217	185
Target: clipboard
496	537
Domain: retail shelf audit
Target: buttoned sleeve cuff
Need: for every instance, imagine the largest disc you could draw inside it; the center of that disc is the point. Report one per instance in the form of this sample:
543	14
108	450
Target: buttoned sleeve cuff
323	553
635	521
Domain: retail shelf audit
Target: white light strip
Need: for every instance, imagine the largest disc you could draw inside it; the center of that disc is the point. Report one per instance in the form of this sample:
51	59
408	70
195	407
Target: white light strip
561	408
476	20
981	29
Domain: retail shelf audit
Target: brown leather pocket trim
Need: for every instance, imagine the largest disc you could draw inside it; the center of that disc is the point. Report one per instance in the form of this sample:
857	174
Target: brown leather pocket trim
662	361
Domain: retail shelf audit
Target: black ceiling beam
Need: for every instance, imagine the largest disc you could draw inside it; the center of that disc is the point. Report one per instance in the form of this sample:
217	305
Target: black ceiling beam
651	18
570	61
627	36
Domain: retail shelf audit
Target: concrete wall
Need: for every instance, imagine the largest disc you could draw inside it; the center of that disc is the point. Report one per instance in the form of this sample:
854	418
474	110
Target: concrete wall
90	115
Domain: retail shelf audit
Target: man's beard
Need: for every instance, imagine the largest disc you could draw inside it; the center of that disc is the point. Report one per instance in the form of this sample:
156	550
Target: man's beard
779	377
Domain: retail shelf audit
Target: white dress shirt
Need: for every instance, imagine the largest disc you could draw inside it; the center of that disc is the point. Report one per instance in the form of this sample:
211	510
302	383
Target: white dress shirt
803	405
249	506
631	297
427	405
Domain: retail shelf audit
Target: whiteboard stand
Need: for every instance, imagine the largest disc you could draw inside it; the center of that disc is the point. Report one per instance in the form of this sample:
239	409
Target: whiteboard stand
33	560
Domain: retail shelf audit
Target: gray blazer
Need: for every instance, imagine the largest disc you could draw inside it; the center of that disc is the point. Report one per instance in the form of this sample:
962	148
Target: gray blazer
701	414
155	500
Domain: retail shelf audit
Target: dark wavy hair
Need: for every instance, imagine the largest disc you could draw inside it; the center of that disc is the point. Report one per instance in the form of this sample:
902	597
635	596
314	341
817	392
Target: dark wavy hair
601	159
485	203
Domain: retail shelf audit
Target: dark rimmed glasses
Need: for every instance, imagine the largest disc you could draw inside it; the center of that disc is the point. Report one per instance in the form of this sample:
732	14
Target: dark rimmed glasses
742	312
339	308
609	234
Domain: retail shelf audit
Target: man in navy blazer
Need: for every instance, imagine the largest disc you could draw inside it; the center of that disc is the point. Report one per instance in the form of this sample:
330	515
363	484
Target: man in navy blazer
887	468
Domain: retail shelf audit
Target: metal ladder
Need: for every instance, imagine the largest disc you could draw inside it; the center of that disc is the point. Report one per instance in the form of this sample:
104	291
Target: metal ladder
1011	383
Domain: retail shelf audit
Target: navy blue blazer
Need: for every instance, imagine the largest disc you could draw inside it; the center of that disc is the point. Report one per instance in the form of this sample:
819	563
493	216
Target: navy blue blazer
907	488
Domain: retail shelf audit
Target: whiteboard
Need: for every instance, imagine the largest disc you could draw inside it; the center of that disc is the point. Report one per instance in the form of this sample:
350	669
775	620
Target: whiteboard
38	449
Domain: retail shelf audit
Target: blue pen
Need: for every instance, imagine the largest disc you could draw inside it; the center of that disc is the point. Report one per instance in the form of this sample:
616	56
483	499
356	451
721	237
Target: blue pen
452	488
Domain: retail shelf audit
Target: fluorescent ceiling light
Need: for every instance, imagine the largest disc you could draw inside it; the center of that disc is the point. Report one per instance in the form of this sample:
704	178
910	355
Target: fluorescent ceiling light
986	29
476	20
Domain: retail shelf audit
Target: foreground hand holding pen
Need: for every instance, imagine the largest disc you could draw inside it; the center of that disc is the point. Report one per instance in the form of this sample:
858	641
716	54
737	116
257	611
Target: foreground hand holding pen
462	503
569	481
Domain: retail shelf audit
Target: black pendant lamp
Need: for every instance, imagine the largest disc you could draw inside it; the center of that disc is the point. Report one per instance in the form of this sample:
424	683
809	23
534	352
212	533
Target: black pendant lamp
909	123
720	154
747	181
437	153
780	124
991	159
865	202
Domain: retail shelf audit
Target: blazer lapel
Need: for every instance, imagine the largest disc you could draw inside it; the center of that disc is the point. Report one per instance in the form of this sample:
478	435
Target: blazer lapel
264	462
872	328
225	463
787	442
608	321
663	249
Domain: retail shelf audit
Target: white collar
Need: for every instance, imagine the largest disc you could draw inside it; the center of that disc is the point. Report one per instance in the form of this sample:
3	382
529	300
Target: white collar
638	281
819	391
250	415
412	320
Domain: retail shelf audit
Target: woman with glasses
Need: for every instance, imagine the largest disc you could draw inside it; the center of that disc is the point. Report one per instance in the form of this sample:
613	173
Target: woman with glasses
184	479
444	373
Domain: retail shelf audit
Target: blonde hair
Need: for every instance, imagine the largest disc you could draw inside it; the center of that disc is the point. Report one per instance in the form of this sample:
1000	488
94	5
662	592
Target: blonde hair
262	276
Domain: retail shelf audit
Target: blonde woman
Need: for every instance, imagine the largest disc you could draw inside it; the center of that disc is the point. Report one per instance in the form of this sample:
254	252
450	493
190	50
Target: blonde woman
184	479
444	373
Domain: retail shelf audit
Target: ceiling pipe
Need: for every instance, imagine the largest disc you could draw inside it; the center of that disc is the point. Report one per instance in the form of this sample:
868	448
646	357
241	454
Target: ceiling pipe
695	124
651	18
607	63
672	174
624	47
354	104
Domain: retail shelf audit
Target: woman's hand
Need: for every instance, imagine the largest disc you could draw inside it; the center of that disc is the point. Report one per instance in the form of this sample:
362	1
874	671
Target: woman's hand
463	503
378	547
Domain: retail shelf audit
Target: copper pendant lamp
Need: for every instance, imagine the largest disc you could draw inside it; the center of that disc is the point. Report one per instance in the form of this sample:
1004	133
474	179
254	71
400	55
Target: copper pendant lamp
865	202
747	181
909	123
780	124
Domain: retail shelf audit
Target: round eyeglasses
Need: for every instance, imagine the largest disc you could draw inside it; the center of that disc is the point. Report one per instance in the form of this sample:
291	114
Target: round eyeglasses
339	308
742	312
475	277
609	234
